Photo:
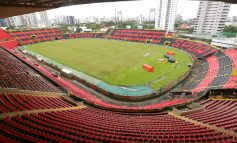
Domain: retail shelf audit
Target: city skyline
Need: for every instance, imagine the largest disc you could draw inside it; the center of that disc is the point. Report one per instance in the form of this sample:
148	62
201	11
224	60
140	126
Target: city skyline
164	18
188	9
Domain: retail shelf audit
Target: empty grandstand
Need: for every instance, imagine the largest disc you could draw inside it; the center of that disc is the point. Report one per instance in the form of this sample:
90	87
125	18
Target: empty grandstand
179	90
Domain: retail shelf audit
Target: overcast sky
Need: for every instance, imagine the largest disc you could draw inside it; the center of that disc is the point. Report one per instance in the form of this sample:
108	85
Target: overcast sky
187	8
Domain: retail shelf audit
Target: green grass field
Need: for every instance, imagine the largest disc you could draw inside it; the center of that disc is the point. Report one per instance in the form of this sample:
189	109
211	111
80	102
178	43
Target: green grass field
116	62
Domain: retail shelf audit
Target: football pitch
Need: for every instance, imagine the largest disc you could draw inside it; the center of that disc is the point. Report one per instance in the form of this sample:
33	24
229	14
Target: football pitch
116	62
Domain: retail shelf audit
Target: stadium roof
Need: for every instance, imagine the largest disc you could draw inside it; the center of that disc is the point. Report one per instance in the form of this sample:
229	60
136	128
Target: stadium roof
18	7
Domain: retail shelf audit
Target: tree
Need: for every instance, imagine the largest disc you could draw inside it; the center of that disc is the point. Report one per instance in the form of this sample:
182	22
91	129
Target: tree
64	28
93	26
178	24
107	24
78	29
230	28
123	24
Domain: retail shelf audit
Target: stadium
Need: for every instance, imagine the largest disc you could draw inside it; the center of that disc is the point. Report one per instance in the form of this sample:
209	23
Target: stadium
123	85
